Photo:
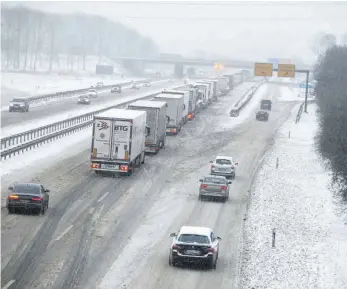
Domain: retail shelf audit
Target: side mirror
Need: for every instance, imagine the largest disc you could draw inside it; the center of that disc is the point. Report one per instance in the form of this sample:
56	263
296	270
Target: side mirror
201	180
219	238
229	182
10	188
211	162
173	235
47	191
236	164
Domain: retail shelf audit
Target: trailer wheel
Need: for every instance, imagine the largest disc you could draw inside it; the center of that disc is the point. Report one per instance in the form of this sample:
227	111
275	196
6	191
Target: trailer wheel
143	158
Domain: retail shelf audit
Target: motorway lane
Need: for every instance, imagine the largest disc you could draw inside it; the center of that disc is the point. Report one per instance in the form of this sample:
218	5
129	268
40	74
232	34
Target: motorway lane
66	105
93	219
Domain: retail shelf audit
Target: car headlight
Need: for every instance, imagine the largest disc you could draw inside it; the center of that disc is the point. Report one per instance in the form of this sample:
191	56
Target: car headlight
21	104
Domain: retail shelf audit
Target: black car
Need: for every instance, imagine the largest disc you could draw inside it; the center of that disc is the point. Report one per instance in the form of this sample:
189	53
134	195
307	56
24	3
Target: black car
262	115
29	197
19	104
266	104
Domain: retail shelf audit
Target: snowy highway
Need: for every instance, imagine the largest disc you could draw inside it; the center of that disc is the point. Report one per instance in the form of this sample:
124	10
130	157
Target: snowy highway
107	233
41	114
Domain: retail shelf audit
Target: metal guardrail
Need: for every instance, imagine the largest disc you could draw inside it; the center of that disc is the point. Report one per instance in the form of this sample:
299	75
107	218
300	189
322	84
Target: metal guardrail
29	139
72	93
18	143
240	104
301	109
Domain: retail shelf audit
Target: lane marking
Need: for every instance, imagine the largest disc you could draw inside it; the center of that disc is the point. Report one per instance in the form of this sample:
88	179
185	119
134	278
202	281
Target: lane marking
8	284
64	233
103	197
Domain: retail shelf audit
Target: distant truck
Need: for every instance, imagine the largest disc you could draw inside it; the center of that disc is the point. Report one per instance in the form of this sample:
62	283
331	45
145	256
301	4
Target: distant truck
230	78
118	141
202	102
223	85
186	101
209	90
174	111
156	121
266	104
193	99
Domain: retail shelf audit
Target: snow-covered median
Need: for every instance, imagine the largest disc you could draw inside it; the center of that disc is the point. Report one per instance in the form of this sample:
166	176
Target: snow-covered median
311	241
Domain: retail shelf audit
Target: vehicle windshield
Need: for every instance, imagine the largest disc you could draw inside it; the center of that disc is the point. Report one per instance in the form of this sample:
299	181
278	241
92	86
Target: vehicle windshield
266	101
26	189
192	238
223	162
92	90
213	180
18	100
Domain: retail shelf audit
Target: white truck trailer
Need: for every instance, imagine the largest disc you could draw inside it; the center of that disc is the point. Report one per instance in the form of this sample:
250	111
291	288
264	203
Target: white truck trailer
223	85
210	90
156	121
174	111
186	101
193	99
118	141
202	102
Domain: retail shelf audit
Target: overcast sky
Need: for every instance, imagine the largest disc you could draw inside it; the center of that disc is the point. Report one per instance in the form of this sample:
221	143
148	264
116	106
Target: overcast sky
239	30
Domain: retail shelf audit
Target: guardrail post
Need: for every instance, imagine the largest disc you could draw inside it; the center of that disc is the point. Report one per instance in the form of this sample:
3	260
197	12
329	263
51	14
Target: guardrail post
273	237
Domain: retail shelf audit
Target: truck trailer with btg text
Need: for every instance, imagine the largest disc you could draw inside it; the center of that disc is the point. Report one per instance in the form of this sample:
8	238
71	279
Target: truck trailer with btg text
118	141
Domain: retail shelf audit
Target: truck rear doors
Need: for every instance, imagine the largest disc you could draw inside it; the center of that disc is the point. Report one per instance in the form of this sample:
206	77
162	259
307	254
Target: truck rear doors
101	147
121	140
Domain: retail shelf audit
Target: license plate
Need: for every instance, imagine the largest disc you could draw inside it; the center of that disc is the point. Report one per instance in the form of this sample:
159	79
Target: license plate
25	201
106	166
221	169
192	252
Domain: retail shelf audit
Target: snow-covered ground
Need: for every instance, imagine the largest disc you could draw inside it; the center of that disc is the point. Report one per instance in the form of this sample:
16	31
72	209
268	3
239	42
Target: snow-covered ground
14	129
30	84
295	200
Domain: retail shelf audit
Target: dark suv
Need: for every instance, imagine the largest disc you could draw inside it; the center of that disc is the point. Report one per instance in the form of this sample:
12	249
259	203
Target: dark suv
262	115
266	104
19	104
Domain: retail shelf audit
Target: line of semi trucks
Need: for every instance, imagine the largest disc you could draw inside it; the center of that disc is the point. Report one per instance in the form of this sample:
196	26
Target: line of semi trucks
122	137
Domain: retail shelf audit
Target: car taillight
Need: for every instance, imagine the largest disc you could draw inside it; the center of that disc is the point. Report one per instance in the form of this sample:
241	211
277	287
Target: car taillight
223	188
213	166
13	197
123	168
203	186
36	199
233	167
95	165
210	250
174	246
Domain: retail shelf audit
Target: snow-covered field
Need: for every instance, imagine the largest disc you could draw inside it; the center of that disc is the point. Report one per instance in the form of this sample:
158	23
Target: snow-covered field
295	200
30	84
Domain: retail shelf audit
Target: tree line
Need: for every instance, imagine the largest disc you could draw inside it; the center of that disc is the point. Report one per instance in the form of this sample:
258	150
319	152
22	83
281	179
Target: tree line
32	39
331	90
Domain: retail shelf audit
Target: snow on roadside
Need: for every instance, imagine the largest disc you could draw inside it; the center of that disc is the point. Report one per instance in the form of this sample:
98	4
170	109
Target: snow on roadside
289	94
46	156
311	241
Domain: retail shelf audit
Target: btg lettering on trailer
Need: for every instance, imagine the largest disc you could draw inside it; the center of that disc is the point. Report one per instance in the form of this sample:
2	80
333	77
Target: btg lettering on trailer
121	128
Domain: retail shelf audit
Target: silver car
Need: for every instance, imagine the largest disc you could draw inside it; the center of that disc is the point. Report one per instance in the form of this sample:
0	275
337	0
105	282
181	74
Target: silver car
194	245
214	187
224	166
